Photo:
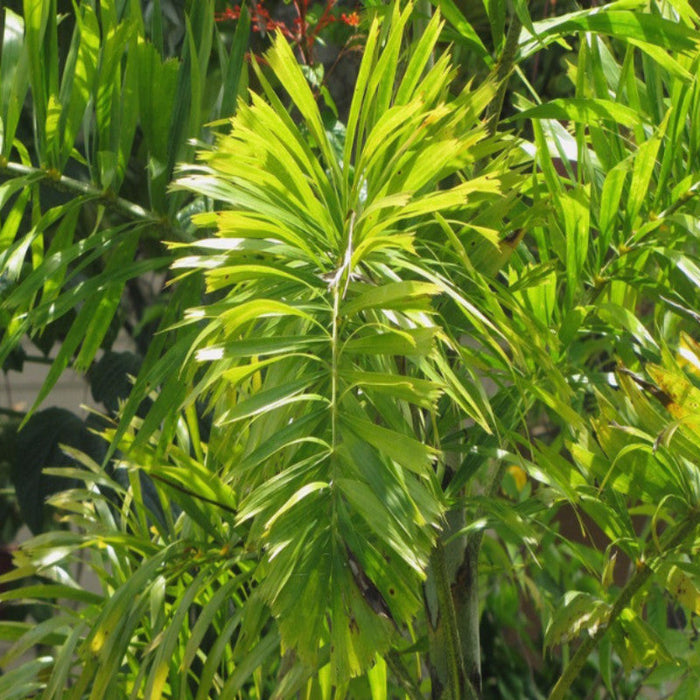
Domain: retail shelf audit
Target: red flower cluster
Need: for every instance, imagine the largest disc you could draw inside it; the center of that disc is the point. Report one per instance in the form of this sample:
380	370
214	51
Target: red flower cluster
303	32
260	19
352	20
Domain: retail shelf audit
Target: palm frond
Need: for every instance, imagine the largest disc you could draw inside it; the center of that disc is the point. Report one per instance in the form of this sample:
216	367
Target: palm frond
320	351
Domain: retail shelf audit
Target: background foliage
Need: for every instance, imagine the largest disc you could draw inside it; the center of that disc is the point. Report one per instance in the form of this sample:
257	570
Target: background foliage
412	401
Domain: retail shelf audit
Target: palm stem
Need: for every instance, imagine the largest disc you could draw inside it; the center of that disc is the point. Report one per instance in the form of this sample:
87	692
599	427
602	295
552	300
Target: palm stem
458	684
334	368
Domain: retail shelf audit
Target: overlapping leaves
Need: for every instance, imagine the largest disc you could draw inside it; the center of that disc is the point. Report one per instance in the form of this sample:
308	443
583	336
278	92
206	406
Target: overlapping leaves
66	257
319	346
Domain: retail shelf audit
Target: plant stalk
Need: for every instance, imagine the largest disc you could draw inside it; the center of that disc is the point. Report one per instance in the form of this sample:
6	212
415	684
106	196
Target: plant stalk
64	183
334	369
394	664
465	603
458	683
466	595
466	606
634	585
503	69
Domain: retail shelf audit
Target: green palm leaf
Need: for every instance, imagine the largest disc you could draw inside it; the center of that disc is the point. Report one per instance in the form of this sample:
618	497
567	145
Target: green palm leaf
319	355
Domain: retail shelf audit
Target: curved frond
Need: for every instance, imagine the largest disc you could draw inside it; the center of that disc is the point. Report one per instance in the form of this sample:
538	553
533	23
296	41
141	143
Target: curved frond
320	350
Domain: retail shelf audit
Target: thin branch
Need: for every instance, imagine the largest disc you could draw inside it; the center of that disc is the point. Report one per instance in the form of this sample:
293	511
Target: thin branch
641	683
634	585
63	183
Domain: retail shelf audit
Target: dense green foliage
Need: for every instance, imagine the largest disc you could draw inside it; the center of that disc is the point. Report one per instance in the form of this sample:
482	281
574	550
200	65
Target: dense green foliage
412	407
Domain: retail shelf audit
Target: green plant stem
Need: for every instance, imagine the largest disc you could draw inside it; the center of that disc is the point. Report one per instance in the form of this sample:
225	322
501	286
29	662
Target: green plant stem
402	678
458	684
503	69
334	368
64	183
466	594
634	585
